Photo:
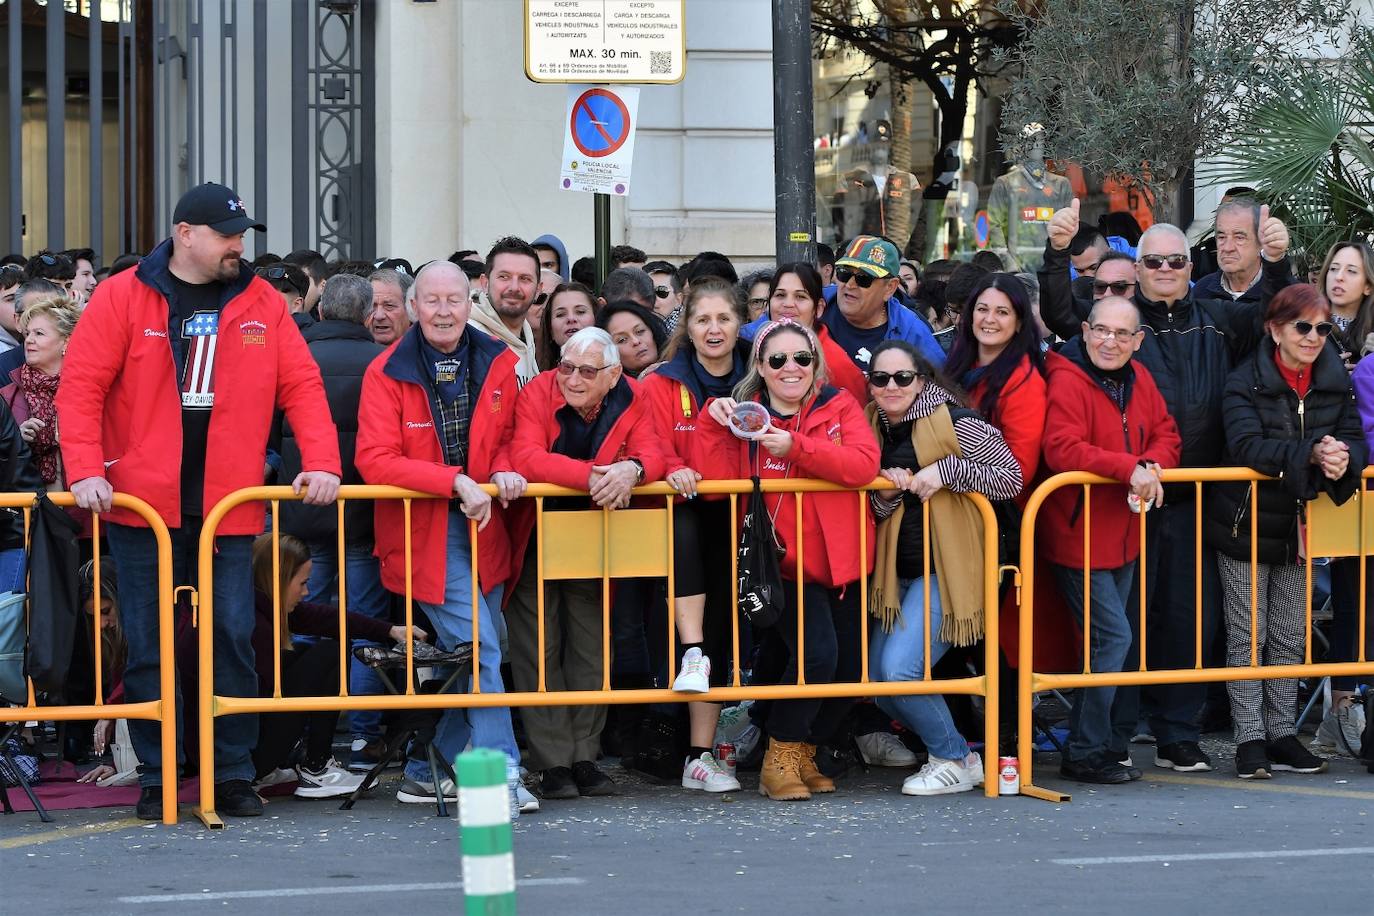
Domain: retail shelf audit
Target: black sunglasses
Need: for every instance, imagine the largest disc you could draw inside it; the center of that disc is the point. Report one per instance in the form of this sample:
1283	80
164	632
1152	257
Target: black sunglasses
1323	328
844	274
1118	287
802	358
903	378
1157	261
662	292
587	372
278	272
540	298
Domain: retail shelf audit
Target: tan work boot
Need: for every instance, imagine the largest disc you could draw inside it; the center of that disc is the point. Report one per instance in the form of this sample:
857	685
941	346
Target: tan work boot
815	780
780	778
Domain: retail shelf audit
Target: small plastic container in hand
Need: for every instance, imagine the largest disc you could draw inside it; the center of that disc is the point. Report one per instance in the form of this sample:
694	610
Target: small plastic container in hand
749	420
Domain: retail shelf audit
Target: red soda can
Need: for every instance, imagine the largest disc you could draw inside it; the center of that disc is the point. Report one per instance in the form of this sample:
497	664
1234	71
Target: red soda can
1008	776
725	756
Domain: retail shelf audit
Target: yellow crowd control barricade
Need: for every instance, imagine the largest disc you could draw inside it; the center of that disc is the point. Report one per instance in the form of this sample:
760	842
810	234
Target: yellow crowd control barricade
1331	531
161	710
587	544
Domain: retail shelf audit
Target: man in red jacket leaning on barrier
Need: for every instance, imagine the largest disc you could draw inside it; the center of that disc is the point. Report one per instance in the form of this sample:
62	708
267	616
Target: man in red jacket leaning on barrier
168	390
1106	416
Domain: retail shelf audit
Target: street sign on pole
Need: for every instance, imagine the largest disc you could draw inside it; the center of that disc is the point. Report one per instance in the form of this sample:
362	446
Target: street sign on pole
605	41
599	139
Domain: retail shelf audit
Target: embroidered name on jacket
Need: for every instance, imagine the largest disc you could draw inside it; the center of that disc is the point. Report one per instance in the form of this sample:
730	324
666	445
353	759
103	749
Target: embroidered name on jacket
201	332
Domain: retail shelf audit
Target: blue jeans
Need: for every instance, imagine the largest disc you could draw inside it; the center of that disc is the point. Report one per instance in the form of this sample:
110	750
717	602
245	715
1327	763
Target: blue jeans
900	656
486	727
1091	719
135	556
363	580
13	565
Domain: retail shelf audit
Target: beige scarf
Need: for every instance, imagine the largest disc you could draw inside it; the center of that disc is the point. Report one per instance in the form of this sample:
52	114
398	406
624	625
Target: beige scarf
958	550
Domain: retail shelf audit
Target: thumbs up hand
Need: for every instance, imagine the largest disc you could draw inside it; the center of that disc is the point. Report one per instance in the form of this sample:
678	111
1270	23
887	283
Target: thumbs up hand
1273	235
1064	226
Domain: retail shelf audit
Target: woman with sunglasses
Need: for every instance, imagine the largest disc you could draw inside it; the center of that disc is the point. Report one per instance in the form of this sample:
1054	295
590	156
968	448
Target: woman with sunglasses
571	307
934	449
1289	413
637	332
818	432
705	360
996	357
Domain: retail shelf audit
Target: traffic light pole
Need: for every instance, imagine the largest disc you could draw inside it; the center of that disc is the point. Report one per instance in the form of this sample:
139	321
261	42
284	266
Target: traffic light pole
794	169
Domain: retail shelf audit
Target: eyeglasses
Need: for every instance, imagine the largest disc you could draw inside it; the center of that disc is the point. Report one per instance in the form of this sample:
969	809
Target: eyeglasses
1323	328
1103	333
1157	261
663	292
802	358
844	274
19	268
1118	287
903	378
587	372
758	302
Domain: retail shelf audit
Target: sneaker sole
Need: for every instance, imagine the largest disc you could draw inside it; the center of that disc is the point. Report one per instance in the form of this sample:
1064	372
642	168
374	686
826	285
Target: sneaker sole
701	785
530	807
1260	773
942	790
325	791
690	688
1289	768
889	762
1199	767
410	799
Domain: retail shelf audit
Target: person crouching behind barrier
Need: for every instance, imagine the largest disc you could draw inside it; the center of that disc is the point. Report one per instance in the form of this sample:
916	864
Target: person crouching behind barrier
1290	414
815	432
1105	416
933	450
435	415
586	426
308	671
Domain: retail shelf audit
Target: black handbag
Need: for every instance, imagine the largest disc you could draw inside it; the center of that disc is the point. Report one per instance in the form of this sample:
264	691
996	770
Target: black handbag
54	595
761	595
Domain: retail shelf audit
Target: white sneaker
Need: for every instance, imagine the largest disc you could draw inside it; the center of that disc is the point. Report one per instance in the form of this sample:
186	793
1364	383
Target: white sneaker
944	777
521	800
331	781
706	773
1341	729
421	792
884	749
695	674
276	777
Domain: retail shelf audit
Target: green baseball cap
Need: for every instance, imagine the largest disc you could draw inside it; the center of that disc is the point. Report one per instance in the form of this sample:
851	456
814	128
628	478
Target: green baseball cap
872	255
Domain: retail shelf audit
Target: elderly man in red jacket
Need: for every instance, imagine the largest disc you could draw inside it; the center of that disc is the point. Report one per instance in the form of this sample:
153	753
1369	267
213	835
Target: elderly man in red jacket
1105	415
436	413
168	391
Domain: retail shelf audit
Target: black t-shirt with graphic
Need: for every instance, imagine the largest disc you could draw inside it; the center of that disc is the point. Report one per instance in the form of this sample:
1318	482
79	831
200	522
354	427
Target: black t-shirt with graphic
194	332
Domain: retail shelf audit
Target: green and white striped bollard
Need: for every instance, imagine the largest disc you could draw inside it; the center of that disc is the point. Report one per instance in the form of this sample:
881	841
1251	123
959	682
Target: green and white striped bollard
488	850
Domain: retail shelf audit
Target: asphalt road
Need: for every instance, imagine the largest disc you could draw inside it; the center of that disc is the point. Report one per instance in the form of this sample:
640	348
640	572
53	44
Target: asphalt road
1200	843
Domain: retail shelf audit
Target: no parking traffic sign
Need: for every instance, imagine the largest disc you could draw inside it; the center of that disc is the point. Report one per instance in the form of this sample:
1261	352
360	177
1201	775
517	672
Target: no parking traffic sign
598	144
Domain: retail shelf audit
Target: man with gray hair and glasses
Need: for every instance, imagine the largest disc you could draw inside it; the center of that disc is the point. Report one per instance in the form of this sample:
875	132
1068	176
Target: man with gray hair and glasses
1190	346
343	349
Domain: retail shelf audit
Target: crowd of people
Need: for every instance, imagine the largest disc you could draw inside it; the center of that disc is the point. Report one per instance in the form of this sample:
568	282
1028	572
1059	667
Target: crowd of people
186	373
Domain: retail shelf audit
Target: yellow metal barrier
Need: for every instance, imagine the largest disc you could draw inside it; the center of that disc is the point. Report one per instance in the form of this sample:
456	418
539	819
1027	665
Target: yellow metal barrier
1331	531
592	544
162	710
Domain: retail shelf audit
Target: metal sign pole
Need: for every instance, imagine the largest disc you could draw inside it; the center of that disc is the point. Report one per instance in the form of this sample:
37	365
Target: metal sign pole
601	208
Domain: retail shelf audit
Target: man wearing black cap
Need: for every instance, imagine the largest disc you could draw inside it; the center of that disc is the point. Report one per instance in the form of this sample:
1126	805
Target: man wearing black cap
168	391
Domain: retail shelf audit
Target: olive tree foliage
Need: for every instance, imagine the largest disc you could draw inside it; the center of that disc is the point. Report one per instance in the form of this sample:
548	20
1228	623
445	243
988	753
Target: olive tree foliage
1140	90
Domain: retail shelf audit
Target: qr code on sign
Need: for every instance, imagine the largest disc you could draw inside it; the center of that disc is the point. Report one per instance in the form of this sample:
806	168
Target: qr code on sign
660	61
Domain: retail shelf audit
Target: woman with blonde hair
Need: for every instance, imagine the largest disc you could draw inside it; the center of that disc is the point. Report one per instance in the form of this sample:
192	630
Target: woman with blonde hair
46	326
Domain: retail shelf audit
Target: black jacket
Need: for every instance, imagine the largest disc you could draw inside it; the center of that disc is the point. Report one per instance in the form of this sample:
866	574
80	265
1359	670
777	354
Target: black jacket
17	475
343	351
1189	348
1269	430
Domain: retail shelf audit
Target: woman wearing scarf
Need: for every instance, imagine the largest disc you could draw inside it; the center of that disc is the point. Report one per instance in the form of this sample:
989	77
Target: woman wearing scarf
705	361
47	326
933	450
996	358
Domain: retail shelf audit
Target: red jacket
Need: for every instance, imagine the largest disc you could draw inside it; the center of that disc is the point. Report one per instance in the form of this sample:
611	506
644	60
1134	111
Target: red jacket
831	440
1020	415
677	408
1084	431
398	445
119	404
843	373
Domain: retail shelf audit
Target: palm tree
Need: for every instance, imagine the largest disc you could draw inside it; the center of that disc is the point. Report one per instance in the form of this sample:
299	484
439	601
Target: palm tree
1308	149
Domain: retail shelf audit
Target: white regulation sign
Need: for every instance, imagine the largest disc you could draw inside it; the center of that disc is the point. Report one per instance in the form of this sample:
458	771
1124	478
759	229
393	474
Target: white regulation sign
605	41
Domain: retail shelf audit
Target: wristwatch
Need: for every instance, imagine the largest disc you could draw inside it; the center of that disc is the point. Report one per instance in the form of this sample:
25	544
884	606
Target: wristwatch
639	468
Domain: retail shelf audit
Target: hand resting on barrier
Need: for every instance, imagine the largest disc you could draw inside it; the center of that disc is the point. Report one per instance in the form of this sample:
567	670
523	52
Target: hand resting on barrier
93	494
321	487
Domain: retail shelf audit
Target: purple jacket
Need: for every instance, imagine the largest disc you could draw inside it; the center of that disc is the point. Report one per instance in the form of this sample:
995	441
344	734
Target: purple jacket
1363	381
